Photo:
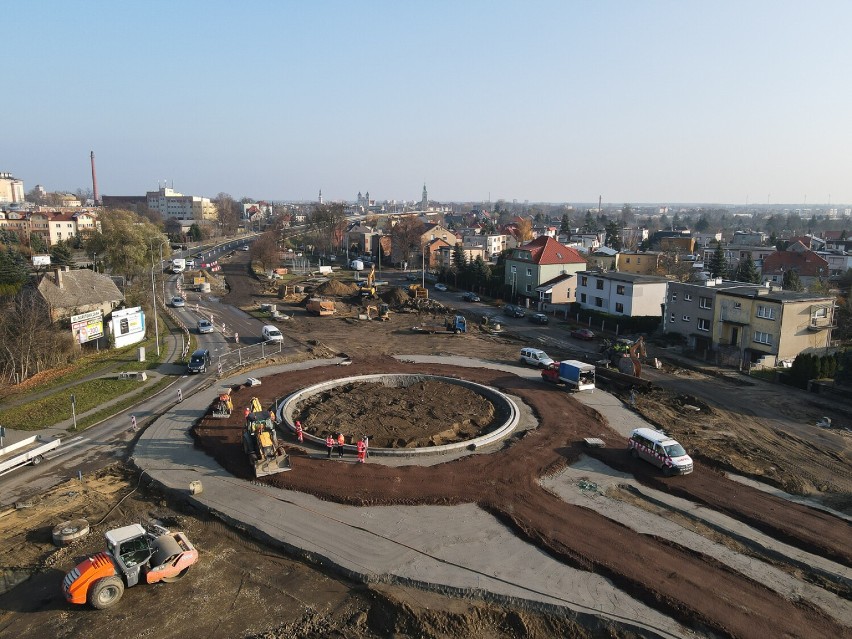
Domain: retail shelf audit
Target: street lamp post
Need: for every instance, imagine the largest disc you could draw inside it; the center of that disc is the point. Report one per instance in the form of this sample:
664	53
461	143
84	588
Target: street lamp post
154	297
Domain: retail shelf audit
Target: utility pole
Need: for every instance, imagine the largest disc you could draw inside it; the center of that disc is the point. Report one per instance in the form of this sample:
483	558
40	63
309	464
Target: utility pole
154	301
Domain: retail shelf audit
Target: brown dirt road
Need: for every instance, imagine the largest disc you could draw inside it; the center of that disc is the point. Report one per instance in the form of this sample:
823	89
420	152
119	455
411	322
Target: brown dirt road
686	585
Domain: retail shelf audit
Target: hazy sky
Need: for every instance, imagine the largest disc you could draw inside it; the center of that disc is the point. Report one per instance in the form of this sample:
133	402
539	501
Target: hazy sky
680	101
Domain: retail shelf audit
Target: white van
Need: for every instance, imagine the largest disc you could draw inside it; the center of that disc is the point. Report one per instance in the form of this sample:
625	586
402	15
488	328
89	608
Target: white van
271	333
657	448
535	357
178	265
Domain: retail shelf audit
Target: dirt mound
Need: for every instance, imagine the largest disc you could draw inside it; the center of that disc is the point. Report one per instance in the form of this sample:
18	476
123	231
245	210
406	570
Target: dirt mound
395	296
335	288
428	413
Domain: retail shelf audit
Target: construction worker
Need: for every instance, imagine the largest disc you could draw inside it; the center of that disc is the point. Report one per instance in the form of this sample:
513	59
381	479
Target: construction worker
272	416
362	450
247	413
329	444
341	442
299	432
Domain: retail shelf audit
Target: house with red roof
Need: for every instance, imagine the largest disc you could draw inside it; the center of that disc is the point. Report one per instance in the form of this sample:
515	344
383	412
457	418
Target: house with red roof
533	272
809	266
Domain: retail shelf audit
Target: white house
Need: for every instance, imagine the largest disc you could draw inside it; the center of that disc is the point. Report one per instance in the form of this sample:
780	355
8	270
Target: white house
621	293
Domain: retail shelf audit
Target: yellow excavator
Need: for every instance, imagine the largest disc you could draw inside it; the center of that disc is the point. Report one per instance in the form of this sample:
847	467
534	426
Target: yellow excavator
368	287
418	292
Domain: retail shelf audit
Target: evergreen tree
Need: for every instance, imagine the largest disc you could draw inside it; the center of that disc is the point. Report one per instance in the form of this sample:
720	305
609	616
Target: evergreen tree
14	272
60	255
589	222
718	266
747	271
702	224
565	225
792	282
613	236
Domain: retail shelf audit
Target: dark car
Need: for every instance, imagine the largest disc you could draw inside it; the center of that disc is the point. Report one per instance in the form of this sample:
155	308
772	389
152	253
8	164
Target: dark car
470	297
538	318
512	310
582	333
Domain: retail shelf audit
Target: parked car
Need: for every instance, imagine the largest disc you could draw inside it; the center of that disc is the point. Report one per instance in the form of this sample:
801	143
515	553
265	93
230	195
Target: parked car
178	302
470	297
204	326
538	318
513	310
244	247
582	333
440	287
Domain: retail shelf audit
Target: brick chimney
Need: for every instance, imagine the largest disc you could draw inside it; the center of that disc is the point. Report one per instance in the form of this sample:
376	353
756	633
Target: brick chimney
58	273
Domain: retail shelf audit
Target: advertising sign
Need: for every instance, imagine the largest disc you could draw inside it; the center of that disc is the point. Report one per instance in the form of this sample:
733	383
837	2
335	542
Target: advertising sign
41	260
128	326
87	326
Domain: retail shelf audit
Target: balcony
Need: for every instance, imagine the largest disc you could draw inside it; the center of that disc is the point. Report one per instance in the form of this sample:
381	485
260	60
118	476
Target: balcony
821	324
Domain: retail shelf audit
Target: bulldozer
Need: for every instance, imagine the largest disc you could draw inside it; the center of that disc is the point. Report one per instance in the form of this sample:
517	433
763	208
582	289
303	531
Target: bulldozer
627	356
133	555
380	312
260	443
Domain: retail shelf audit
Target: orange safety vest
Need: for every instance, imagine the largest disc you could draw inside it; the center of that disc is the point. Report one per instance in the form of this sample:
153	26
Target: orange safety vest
329	441
341	439
362	446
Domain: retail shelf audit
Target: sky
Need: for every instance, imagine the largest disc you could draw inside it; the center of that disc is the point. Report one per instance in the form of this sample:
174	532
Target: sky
726	102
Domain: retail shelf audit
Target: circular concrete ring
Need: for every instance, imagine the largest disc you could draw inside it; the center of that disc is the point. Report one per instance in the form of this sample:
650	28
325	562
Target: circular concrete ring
508	414
70	531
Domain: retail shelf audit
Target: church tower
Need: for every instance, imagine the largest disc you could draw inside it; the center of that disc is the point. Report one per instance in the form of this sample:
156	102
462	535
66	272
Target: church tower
320	196
424	202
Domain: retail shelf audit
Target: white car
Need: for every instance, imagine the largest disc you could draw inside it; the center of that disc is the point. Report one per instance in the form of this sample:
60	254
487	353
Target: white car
271	333
178	302
440	287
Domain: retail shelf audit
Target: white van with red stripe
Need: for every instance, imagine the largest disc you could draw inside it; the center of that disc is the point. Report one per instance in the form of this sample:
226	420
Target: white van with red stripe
657	448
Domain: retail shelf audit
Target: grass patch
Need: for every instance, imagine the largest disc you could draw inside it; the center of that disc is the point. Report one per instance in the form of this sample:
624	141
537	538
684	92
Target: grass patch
47	411
129	401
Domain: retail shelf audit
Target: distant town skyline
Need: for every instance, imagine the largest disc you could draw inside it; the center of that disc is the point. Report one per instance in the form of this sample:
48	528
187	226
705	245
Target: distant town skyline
730	104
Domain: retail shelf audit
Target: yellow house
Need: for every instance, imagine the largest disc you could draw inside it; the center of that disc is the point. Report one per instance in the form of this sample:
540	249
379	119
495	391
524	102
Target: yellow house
639	262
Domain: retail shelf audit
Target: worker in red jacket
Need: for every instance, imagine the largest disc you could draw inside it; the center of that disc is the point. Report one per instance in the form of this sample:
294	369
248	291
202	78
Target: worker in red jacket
329	444
362	450
299	432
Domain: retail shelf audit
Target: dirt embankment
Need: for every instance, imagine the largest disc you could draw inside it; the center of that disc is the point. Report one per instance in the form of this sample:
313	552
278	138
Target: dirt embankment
690	587
238	588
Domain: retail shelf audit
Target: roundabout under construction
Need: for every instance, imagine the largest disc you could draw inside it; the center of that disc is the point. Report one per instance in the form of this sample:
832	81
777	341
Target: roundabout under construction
482	523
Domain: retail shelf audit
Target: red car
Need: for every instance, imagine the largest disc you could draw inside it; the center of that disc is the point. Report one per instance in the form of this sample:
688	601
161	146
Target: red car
582	333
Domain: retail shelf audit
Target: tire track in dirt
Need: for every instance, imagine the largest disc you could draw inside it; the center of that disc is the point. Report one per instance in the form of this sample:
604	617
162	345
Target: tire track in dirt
683	584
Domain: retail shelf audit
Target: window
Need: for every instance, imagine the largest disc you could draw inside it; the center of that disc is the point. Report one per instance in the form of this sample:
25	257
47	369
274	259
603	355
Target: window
705	302
529	272
529	288
638	260
582	298
619	290
673	318
685	318
619	307
687	297
584	281
599	302
674	296
703	324
766	312
599	285
628	260
737	305
763	338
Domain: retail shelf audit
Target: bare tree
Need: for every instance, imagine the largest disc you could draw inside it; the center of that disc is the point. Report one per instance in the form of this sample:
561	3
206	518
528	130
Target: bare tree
228	212
265	250
406	237
30	343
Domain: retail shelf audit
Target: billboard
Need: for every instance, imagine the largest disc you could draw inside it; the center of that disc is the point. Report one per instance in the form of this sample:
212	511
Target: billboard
87	326
41	260
128	326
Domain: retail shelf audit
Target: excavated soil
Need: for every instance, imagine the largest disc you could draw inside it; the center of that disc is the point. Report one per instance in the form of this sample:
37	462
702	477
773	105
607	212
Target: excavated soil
689	586
427	413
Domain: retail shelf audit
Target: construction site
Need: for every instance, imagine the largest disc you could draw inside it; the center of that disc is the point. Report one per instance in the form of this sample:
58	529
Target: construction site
447	529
